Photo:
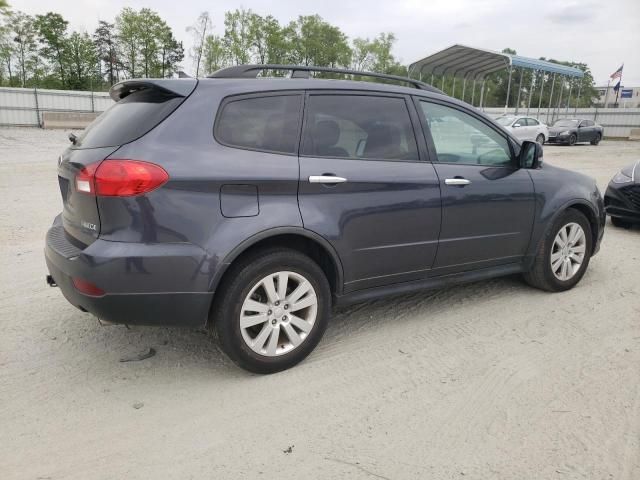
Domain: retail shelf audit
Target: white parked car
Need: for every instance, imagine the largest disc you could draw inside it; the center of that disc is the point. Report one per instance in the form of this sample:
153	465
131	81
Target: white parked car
525	128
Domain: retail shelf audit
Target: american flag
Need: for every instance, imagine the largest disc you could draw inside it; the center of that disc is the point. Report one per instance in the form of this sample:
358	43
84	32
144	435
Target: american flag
617	73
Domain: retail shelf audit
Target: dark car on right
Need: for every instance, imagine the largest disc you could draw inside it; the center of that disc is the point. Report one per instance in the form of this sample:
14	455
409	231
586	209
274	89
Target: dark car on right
570	131
622	198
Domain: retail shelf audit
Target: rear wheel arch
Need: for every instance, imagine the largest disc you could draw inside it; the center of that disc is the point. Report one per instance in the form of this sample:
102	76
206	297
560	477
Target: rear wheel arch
295	238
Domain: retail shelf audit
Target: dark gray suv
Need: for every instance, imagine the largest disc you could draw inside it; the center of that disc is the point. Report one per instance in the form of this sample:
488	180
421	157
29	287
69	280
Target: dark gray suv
252	206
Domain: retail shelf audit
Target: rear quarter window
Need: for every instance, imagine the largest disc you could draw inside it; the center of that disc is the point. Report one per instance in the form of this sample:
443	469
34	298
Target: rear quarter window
268	123
129	119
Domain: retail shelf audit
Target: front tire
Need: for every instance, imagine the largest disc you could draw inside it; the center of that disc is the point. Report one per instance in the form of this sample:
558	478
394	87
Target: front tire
272	310
540	139
563	253
572	140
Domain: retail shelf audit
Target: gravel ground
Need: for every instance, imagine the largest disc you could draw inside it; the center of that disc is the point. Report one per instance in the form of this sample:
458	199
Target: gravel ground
492	380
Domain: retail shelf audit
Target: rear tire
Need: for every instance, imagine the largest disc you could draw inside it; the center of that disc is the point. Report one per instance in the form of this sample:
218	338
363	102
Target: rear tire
255	324
572	140
618	222
540	139
542	274
596	140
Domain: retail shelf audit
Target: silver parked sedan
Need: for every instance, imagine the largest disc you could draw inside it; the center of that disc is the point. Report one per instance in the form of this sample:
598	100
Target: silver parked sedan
525	128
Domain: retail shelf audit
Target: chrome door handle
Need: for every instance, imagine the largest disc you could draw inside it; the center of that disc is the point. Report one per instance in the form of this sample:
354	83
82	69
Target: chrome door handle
460	182
326	179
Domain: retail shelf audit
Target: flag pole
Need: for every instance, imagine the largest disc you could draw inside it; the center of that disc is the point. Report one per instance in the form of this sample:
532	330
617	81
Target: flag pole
606	95
619	86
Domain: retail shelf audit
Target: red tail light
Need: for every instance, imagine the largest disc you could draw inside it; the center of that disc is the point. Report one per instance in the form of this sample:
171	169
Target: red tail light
120	178
87	288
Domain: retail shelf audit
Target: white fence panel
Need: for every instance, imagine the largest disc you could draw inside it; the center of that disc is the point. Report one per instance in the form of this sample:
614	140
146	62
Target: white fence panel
24	106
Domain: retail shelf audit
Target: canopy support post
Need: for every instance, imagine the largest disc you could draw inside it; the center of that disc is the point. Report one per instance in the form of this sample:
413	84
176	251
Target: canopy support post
533	76
442	83
553	83
569	99
473	92
519	90
557	109
482	94
575	111
540	97
506	103
453	89
464	86
431	79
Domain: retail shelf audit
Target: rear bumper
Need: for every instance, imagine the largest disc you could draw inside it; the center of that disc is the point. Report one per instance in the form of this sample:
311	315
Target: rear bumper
618	205
145	284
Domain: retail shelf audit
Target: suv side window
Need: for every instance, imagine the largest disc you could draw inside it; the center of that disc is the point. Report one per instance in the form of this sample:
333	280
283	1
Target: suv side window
268	124
589	123
461	138
358	127
532	122
521	121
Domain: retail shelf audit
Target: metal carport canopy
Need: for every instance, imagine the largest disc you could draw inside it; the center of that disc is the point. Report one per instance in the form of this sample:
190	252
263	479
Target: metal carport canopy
476	63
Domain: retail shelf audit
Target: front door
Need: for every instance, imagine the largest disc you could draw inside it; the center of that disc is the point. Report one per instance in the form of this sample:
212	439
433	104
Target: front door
487	201
364	187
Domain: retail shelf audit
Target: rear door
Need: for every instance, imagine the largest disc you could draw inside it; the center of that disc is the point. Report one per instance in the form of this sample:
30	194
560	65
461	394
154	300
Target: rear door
487	201
587	131
364	187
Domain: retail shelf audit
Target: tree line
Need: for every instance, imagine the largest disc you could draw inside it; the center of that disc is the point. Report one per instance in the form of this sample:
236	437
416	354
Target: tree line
41	51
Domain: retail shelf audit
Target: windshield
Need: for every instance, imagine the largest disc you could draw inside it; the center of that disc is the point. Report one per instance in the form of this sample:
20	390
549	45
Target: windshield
505	121
565	123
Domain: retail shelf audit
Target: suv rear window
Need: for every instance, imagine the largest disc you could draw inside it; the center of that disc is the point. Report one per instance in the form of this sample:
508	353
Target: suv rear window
129	119
268	124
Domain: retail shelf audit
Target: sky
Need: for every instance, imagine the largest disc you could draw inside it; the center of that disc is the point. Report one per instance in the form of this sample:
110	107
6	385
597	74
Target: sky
602	34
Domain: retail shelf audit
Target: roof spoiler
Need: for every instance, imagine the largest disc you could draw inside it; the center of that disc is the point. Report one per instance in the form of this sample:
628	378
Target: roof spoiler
178	87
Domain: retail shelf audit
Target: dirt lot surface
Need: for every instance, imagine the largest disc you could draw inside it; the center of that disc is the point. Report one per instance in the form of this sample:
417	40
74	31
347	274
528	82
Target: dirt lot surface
492	380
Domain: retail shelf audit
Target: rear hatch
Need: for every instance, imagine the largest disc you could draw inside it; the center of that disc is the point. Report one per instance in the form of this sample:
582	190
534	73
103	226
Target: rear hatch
140	106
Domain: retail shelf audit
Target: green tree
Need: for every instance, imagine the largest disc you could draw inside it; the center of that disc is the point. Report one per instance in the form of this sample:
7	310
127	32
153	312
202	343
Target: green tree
200	31
171	52
214	54
150	29
104	39
362	56
269	39
238	35
82	59
128	34
24	37
316	42
51	31
7	51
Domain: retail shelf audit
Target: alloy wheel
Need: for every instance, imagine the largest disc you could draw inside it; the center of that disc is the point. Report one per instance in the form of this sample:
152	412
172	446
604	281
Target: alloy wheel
278	313
568	251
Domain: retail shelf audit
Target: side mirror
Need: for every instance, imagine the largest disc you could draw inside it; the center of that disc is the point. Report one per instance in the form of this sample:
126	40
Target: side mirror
580	126
516	125
530	155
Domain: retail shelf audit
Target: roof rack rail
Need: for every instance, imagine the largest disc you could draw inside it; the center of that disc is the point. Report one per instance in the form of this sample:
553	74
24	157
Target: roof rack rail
303	71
